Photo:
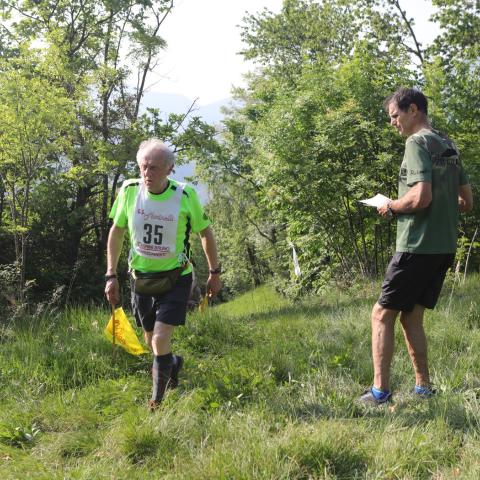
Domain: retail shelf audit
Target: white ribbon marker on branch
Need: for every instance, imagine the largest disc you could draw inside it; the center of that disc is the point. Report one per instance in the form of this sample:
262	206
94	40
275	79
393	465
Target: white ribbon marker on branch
296	265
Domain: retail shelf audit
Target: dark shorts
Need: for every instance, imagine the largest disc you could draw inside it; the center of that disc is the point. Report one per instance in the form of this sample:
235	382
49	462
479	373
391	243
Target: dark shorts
169	308
414	278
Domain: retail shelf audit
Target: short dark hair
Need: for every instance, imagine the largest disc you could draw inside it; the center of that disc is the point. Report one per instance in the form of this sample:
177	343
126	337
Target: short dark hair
404	97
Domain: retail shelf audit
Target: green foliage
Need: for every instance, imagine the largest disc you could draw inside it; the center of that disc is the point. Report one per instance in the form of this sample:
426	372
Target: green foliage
314	150
473	316
38	123
309	136
304	32
19	437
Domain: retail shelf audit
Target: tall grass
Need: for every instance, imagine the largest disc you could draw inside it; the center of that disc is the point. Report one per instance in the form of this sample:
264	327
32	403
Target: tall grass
268	392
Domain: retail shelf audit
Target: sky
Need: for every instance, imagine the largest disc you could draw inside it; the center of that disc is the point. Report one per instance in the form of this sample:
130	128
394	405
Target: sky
203	40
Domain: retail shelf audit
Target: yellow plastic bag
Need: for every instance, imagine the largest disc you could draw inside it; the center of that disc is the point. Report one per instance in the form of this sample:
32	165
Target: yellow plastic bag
202	306
125	335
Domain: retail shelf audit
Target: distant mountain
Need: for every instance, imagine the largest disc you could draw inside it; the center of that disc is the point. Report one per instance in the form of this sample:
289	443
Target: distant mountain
175	103
186	173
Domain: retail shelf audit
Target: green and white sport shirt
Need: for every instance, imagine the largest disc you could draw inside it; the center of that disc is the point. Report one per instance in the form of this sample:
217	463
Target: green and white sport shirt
159	225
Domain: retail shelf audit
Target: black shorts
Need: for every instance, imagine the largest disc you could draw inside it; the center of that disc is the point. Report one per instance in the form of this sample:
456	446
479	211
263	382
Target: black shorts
169	308
414	278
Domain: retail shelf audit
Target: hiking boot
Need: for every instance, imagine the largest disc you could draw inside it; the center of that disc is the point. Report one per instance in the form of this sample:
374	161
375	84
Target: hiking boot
160	379
176	367
368	398
424	391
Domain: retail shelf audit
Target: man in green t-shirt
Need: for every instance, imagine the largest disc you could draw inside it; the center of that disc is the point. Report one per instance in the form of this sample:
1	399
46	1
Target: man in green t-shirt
159	215
433	189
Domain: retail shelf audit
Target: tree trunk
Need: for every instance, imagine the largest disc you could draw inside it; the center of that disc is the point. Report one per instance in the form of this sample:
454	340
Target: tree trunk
353	237
2	200
75	234
23	267
103	221
253	264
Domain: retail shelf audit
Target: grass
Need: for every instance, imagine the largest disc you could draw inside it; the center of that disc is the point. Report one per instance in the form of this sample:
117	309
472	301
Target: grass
268	392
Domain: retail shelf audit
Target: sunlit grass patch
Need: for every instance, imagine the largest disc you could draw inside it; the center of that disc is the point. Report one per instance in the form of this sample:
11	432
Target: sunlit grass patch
325	450
417	451
260	300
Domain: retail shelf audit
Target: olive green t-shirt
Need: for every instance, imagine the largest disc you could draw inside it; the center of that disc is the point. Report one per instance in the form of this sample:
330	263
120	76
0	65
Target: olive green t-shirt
430	157
191	219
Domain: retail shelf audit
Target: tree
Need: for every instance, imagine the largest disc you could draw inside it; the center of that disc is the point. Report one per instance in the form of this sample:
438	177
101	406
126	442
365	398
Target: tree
37	123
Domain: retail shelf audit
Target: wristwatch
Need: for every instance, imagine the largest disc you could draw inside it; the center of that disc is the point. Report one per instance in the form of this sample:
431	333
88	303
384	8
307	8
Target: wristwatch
216	271
109	277
390	211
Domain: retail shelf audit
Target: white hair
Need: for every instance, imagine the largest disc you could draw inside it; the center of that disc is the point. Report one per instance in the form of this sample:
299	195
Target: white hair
155	148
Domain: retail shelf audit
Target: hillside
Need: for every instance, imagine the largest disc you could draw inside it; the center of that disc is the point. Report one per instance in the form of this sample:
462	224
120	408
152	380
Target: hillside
268	392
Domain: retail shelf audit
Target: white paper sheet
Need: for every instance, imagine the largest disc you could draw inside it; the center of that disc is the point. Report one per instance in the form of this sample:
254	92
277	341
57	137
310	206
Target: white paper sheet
376	201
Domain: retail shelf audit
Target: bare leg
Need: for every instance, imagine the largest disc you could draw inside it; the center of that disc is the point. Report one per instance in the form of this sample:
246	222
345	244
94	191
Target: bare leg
161	338
414	333
383	335
148	338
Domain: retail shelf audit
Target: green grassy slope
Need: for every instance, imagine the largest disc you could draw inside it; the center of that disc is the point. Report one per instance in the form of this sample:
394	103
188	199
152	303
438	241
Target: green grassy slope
268	391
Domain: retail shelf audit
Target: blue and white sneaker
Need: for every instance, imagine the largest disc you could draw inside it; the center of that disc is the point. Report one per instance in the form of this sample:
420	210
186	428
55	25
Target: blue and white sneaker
374	396
424	391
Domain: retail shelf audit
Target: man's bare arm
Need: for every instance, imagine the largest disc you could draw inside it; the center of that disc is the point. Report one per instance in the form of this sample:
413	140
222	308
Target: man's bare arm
214	284
465	198
417	198
114	249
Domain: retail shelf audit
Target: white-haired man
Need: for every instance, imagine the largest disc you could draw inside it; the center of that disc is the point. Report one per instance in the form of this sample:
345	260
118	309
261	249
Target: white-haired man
159	215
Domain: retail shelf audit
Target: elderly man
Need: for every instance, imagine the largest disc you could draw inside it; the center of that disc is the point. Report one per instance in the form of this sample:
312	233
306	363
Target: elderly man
159	214
433	189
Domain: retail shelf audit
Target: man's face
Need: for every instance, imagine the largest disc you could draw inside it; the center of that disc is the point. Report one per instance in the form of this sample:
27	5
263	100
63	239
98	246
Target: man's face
403	121
154	171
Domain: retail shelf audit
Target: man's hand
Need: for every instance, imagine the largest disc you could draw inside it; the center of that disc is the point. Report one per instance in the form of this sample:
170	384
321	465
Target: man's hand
112	291
214	285
384	211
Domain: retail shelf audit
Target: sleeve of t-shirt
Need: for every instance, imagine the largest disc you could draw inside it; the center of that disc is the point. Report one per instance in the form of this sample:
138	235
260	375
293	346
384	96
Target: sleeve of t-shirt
418	162
198	218
117	213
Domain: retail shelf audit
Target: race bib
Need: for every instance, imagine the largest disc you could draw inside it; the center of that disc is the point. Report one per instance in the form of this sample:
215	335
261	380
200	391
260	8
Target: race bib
155	225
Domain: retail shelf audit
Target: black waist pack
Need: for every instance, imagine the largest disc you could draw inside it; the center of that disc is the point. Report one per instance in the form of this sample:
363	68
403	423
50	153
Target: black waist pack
155	283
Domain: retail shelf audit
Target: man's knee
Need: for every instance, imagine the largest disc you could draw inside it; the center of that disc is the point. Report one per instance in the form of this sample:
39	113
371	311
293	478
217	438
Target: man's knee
414	318
159	338
383	315
162	333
